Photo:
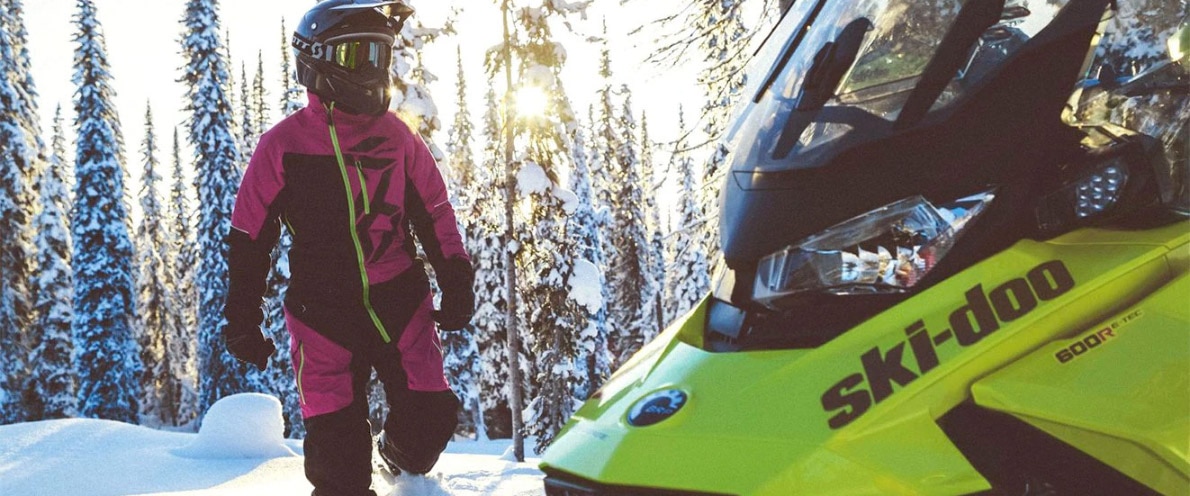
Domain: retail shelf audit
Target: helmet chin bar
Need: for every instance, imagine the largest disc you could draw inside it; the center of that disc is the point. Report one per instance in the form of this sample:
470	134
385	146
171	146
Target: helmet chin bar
371	98
359	99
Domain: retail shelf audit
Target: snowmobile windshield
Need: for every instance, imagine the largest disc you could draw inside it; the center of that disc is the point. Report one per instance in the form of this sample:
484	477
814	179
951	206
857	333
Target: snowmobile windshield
835	73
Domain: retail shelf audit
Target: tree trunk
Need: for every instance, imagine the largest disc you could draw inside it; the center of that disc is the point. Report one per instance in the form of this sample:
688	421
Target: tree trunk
516	401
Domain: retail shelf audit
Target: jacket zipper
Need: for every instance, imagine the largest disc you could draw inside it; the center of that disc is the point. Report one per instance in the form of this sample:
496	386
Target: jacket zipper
359	250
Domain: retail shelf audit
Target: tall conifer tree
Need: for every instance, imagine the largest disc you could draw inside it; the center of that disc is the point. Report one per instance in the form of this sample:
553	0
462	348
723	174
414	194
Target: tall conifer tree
533	172
724	46
155	303
488	249
292	93
691	269
183	334
52	381
105	297
412	98
260	100
247	122
717	30
592	357
656	271
605	143
553	317
24	106
629	276
19	159
211	132
460	351
499	61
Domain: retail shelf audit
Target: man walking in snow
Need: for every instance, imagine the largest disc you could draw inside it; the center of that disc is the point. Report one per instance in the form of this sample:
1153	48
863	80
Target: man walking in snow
349	179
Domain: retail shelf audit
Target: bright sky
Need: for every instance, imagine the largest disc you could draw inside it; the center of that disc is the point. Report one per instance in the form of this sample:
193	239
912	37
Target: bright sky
142	46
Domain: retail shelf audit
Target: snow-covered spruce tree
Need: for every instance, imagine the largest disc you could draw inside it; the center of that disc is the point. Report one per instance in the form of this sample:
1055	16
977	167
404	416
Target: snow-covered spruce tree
292	94
604	145
488	250
248	131
544	140
461	162
254	108
155	304
183	336
461	354
725	52
656	273
691	272
18	157
717	30
553	316
24	106
629	273
550	255
260	100
498	61
105	314
592	357
411	94
52	381
218	174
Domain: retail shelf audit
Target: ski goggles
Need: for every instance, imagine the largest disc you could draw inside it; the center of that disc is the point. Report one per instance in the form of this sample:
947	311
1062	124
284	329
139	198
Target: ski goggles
353	53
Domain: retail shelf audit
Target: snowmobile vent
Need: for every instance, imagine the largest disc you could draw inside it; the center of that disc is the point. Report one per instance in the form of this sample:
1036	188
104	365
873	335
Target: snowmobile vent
561	484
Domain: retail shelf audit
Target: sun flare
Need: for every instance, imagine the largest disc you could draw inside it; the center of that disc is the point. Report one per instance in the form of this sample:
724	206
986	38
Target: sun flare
531	101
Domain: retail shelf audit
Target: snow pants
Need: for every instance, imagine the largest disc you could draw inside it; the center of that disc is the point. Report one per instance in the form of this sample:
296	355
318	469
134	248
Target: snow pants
332	377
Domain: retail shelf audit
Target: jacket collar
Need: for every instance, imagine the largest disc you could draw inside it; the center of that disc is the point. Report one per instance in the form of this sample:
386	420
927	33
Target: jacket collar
319	108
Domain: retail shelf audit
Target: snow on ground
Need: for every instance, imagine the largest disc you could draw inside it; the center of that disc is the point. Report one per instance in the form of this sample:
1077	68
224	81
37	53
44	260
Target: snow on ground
236	452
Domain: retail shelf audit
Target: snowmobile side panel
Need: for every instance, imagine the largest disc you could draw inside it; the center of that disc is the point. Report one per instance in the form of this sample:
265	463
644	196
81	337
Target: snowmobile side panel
858	414
1119	390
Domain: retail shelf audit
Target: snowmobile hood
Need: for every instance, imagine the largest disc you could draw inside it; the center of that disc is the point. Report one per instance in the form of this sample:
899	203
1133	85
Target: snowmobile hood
860	104
874	411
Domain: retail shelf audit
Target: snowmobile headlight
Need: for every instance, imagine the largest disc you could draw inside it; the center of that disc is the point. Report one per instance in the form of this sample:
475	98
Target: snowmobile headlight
887	250
1125	178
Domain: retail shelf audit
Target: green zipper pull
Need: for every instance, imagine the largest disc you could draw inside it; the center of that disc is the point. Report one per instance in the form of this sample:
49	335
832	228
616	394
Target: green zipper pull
363	186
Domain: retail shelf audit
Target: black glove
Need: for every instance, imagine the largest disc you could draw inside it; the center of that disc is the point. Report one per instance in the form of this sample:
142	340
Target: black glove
249	345
455	278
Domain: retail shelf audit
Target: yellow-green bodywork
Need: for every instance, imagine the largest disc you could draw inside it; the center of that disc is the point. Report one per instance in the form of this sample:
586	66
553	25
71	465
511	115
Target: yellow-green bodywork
755	422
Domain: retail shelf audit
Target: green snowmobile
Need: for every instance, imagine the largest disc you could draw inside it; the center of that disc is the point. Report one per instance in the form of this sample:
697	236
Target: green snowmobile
944	271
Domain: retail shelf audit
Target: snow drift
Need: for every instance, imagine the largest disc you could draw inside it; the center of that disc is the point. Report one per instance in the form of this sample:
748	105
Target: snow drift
238	451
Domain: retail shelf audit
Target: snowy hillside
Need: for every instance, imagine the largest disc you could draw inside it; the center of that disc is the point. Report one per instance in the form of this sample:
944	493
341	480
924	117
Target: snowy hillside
238	451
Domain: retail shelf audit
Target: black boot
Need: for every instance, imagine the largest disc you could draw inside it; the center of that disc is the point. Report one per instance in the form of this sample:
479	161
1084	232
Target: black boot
418	427
389	455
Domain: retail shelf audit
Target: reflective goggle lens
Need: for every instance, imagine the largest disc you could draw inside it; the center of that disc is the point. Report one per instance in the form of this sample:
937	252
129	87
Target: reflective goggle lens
355	55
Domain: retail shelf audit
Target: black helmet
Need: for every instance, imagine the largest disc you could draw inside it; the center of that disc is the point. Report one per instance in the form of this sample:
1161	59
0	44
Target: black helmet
343	50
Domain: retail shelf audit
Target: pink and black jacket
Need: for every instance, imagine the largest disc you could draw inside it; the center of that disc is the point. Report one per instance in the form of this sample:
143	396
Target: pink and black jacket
353	190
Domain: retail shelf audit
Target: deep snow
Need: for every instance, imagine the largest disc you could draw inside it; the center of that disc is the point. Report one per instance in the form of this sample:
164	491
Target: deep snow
238	451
